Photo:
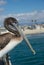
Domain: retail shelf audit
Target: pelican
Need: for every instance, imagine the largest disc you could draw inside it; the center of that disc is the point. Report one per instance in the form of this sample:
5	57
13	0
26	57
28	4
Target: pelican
15	36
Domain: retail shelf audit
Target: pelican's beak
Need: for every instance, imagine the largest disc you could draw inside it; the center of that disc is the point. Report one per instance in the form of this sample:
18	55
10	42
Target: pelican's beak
24	37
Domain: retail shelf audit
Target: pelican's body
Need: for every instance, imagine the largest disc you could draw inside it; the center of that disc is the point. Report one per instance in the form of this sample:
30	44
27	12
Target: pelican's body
9	43
6	38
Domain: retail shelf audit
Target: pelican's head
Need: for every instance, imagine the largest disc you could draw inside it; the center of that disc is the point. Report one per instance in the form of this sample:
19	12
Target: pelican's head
9	24
10	21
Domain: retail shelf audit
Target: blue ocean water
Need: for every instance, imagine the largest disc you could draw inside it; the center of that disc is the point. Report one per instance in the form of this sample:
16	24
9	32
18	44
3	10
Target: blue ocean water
22	55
